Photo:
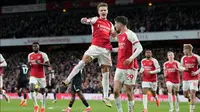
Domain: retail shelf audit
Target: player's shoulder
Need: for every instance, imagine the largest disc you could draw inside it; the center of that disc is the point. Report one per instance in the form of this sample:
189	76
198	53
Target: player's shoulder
165	63
130	32
30	53
42	53
154	59
195	55
177	62
144	59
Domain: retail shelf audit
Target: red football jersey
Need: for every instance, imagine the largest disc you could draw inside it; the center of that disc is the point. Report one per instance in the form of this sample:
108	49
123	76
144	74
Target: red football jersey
126	49
2	61
37	70
171	71
101	32
192	62
149	65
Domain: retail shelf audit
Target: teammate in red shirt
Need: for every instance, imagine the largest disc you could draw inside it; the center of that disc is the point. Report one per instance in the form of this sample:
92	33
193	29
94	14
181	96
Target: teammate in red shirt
3	64
149	69
190	75
128	49
102	30
37	60
171	72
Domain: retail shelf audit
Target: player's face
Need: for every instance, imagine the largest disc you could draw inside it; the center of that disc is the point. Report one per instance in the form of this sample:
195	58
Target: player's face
148	54
186	51
103	12
170	56
118	26
35	47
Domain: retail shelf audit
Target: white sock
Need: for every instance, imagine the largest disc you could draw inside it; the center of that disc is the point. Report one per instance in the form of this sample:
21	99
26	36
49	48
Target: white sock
43	100
145	101
192	107
33	96
170	99
118	104
21	97
130	106
177	102
105	84
75	70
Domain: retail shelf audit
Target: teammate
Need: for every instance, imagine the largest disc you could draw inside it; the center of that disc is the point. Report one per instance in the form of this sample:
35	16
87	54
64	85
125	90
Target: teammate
76	87
37	60
22	86
171	72
149	69
101	48
3	64
191	62
127	66
51	84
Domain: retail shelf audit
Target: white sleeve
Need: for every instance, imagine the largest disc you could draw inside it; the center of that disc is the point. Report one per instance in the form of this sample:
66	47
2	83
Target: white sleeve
157	66
93	20
45	57
29	58
198	60
164	66
136	44
2	61
182	63
142	68
112	28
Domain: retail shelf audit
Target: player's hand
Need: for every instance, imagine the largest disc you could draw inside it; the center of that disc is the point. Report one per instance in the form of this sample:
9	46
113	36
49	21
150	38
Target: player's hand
194	73
150	72
38	62
127	61
84	20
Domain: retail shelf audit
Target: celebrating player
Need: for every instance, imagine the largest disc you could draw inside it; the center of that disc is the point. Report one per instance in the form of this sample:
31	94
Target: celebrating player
127	66
37	60
2	64
171	72
101	48
51	85
22	87
190	75
76	87
149	68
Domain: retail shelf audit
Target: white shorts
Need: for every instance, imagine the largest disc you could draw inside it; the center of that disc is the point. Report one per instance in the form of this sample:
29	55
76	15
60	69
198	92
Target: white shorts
150	85
174	85
127	77
190	85
102	54
40	81
1	81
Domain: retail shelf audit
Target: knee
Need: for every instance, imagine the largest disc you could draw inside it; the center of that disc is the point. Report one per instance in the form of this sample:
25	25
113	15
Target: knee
42	90
116	93
129	94
104	68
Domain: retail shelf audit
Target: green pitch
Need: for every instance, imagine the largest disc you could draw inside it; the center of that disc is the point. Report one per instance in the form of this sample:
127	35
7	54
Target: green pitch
97	106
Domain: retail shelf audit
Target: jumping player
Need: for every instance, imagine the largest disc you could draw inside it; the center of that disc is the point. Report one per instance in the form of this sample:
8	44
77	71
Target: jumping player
171	73
76	86
127	66
37	60
149	69
191	62
22	87
102	30
51	84
2	65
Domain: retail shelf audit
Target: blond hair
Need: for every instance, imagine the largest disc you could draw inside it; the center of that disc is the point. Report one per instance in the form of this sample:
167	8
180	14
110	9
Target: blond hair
102	4
188	46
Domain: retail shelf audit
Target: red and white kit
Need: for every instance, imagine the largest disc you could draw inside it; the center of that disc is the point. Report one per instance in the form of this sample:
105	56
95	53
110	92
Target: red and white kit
2	64
149	80
127	45
37	72
101	45
173	76
190	82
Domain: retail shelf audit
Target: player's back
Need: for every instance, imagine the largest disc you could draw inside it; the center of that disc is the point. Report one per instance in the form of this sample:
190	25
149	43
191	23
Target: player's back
148	65
172	72
23	72
101	31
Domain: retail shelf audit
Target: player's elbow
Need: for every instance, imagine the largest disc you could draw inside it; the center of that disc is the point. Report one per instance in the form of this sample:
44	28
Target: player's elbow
158	70
4	64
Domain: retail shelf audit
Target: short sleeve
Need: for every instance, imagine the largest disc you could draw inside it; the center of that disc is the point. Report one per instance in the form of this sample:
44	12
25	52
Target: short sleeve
164	66
132	37
112	28
29	60
93	20
156	64
182	63
45	57
1	58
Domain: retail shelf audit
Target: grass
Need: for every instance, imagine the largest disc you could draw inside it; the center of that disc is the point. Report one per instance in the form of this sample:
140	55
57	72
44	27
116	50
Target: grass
97	106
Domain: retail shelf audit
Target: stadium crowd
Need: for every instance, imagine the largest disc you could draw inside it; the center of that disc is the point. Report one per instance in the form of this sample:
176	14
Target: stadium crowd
141	19
62	62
